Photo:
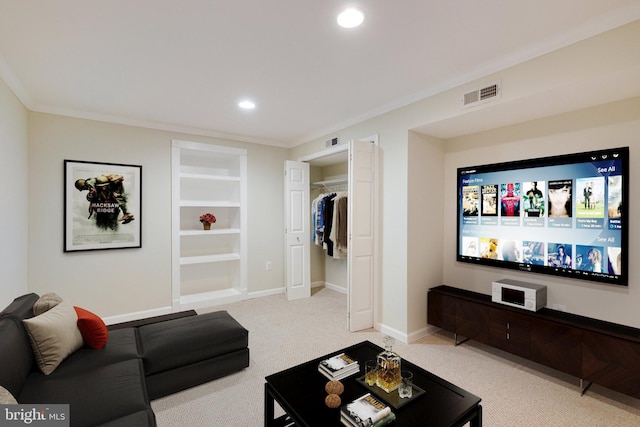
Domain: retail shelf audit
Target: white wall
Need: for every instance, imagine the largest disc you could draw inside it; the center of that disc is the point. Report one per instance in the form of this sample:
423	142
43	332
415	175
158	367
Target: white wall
116	282
426	178
107	282
14	230
607	126
265	167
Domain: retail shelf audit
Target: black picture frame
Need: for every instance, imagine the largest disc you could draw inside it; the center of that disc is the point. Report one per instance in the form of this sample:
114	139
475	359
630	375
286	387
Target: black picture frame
102	206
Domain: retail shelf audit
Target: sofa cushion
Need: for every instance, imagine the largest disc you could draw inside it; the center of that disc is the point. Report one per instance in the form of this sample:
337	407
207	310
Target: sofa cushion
45	303
153	319
122	345
183	377
95	396
6	398
179	342
54	335
94	331
16	355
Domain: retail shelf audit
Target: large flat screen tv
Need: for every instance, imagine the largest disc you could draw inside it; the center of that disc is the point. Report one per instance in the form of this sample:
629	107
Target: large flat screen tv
561	215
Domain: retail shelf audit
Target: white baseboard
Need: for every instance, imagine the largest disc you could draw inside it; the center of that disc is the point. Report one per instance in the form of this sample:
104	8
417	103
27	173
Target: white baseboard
137	315
168	310
269	292
393	333
336	288
404	337
416	335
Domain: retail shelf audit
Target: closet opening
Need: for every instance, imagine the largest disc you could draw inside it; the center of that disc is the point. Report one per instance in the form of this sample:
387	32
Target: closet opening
352	166
329	178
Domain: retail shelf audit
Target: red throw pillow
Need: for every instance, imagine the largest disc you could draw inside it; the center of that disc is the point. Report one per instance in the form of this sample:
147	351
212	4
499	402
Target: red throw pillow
93	330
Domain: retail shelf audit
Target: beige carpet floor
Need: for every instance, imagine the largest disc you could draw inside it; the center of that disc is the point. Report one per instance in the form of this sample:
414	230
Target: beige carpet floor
514	391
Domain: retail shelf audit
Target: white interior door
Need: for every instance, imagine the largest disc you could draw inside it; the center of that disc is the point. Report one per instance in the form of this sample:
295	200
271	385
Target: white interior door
361	246
298	234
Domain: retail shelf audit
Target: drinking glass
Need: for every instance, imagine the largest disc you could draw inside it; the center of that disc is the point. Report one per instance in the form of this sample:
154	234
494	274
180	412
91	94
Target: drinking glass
370	372
405	389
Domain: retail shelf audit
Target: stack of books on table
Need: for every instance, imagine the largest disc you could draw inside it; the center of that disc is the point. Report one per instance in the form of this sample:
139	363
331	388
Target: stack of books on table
338	367
366	411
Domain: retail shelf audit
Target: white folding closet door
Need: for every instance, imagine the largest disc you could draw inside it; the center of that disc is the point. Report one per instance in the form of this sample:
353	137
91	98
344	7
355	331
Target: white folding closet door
361	225
298	233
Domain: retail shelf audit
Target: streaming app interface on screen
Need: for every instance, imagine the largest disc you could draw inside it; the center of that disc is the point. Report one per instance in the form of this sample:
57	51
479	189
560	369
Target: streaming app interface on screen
567	218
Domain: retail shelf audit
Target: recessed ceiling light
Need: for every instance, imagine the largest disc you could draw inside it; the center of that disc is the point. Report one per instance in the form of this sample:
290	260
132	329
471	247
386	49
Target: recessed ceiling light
247	105
350	18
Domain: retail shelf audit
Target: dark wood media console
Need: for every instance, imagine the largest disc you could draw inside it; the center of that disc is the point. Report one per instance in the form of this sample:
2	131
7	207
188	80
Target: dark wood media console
595	351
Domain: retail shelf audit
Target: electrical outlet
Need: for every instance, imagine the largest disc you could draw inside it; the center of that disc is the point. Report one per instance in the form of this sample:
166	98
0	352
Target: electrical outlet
268	266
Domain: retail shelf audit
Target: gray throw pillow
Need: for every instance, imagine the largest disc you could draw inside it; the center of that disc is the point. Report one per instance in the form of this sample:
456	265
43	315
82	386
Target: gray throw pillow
45	303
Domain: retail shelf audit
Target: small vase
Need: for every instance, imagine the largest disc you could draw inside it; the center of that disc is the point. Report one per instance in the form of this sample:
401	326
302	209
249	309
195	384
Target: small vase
206	225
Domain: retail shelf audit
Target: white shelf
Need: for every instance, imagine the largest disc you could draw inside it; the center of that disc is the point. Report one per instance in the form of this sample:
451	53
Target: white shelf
209	232
204	259
209	177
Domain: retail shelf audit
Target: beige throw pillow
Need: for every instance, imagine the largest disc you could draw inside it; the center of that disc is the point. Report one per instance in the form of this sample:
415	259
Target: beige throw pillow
54	335
6	398
45	303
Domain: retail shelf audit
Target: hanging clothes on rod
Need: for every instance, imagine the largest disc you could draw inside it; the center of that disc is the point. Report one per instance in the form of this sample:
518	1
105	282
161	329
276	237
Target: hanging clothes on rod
339	227
318	218
329	217
328	223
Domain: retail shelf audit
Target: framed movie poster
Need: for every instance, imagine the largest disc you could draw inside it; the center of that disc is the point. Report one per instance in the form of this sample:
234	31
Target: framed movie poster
102	206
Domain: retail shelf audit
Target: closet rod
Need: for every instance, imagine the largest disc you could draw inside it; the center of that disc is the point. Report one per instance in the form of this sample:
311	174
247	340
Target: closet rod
332	181
332	185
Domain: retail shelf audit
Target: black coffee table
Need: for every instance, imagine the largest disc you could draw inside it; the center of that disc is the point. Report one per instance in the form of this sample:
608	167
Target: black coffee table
300	392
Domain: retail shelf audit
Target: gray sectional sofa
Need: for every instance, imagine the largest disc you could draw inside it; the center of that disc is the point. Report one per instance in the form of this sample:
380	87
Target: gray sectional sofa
113	385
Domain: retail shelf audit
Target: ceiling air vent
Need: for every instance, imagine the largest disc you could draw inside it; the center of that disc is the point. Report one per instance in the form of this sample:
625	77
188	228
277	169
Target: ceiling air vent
480	96
331	142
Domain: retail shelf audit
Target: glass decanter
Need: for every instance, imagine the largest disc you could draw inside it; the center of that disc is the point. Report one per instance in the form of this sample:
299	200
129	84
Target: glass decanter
389	377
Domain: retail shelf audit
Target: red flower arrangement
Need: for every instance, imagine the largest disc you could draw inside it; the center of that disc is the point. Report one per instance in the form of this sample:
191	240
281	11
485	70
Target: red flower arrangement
209	218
